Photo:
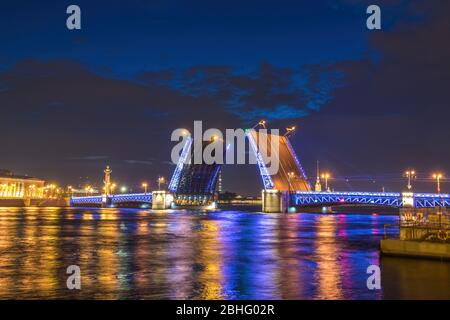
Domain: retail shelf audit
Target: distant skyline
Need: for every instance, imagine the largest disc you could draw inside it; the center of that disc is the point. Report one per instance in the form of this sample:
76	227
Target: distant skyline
367	104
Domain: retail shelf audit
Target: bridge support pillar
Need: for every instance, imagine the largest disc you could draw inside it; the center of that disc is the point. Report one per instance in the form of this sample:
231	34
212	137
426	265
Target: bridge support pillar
275	201
67	201
161	200
27	202
408	200
106	201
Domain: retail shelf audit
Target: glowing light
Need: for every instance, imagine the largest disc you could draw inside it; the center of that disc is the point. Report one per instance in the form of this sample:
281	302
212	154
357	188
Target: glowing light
173	185
265	176
410	174
438	177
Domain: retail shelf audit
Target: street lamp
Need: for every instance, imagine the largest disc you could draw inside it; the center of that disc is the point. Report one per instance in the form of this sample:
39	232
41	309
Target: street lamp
326	176
160	180
290	176
289	131
261	123
145	185
410	174
438	177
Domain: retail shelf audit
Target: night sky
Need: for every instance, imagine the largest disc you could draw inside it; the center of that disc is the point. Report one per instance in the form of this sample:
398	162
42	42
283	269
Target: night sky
367	104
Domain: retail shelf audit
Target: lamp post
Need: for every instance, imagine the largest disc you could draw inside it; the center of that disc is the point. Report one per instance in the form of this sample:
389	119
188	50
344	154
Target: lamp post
438	177
289	131
160	180
261	123
410	174
326	176
290	176
145	185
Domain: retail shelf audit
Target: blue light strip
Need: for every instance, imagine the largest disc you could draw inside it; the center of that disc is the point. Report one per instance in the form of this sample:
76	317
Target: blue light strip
351	193
421	200
117	198
432	195
291	150
267	180
89	199
173	185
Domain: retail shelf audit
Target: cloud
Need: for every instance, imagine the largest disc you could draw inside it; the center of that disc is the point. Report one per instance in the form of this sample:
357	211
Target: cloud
373	114
391	112
411	74
275	93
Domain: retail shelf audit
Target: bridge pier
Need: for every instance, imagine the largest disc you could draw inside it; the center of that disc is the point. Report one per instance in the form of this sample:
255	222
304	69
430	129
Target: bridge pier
275	201
408	200
27	202
106	201
161	200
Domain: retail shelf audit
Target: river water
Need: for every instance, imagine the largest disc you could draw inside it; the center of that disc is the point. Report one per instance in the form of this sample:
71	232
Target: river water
228	254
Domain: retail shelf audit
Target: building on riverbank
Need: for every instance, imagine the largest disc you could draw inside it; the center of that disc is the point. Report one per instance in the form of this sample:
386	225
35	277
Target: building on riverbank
14	186
423	232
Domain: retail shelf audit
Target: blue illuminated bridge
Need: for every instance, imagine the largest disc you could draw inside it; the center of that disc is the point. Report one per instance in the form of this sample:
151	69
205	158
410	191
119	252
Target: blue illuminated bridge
195	184
309	199
390	199
116	199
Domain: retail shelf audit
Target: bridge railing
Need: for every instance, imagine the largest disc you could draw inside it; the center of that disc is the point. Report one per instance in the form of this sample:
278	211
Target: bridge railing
426	200
421	200
370	198
115	198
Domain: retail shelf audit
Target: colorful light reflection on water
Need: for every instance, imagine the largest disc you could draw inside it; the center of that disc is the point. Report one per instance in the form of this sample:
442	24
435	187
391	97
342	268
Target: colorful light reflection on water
131	253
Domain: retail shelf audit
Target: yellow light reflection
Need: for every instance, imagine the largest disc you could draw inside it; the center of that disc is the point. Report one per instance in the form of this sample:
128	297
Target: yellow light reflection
328	266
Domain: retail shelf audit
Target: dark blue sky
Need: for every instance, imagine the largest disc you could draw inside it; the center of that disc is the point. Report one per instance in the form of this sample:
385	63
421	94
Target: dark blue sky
72	101
129	37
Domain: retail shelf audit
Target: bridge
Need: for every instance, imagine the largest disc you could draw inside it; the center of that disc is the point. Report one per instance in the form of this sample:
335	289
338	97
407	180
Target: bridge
195	184
290	175
116	199
390	199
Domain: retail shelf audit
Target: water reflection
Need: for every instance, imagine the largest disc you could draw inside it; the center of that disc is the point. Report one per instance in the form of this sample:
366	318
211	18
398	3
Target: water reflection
327	255
130	253
415	279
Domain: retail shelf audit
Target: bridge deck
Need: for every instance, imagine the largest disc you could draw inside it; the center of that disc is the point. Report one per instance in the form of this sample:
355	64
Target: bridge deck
286	157
394	199
116	198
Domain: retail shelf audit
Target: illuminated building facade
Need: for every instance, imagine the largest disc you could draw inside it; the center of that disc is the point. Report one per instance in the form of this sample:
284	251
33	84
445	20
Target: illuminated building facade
20	187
